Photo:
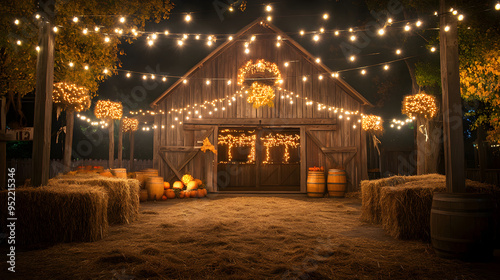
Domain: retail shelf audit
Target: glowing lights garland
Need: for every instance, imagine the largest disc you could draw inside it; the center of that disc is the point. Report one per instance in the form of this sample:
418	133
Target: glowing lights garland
106	109
280	140
71	97
399	123
130	124
241	140
260	77
372	123
420	105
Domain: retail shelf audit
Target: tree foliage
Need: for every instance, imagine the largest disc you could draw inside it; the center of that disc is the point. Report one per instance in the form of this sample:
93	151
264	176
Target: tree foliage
18	61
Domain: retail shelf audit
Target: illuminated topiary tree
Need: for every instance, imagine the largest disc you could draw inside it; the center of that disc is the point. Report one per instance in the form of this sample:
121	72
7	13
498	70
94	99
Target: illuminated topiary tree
109	111
374	126
423	107
70	98
130	125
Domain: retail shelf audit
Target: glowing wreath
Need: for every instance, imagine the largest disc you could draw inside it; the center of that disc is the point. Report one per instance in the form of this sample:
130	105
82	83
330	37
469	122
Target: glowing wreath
259	78
420	105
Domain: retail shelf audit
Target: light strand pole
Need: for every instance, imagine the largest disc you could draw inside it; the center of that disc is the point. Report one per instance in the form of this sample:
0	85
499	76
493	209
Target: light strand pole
43	95
461	223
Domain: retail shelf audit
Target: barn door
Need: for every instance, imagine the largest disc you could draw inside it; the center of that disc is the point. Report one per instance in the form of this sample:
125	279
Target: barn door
258	159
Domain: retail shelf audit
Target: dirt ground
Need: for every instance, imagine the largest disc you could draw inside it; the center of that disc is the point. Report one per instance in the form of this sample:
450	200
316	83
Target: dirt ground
246	237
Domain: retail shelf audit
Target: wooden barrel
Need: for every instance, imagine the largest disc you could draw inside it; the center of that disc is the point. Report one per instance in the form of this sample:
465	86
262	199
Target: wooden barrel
336	182
119	172
154	186
143	175
462	226
143	195
316	184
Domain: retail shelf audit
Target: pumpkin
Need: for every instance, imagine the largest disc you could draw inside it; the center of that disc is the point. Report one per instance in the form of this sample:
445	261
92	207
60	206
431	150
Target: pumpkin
201	193
164	197
182	194
166	185
198	181
186	179
170	193
178	185
186	194
193	193
192	185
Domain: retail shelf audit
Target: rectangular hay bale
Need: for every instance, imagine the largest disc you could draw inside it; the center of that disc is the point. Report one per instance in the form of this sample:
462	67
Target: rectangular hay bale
123	205
48	215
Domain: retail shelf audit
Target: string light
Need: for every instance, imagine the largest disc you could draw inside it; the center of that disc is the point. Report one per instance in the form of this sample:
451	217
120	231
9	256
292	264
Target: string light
381	32
336	33
188	18
352	58
433	49
55	29
419	105
318	60
130	124
269	18
301	32
269	8
398	51
407	27
122	19
386	67
71	97
353	38
18	42
447	28
418	23
16	22
325	16
109	110
316	38
497	6
372	123
75	19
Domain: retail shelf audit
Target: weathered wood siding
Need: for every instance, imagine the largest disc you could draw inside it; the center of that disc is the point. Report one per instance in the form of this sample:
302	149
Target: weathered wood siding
224	66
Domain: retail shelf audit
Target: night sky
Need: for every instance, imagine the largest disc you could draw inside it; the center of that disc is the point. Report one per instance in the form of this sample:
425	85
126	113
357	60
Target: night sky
166	57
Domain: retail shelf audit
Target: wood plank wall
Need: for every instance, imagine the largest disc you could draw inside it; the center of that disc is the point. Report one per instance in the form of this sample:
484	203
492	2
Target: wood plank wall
224	66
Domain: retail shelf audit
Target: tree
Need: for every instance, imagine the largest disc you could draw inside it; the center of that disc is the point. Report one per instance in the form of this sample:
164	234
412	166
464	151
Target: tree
81	52
109	111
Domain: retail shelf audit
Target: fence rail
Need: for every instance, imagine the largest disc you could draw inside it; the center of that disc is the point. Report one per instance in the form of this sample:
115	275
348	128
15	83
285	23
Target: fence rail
23	166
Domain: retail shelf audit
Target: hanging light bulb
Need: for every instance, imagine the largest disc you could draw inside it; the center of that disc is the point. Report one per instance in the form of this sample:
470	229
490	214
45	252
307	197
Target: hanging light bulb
122	19
144	77
96	29
381	32
269	8
353	38
418	24
86	67
269	18
128	75
85	31
180	43
318	60
150	42
188	18
304	78
433	49
336	33
352	58
363	72
386	67
164	79
316	38
301	32
18	42
106	39
75	19
230	38
320	77
461	17
407	27
398	51
447	28
325	16
55	29
286	64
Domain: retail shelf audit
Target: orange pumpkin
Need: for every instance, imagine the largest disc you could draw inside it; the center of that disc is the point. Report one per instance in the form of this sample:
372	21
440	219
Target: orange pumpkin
201	193
193	193
182	194
164	197
192	185
166	185
186	194
198	181
170	193
178	185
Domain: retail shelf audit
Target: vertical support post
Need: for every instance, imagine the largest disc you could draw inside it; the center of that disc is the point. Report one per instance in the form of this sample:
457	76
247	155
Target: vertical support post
111	158
68	140
120	143
452	104
43	96
131	164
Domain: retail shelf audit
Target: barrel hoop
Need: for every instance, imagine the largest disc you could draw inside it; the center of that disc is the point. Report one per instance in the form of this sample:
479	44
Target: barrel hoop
315	183
458	240
330	174
461	213
316	192
329	183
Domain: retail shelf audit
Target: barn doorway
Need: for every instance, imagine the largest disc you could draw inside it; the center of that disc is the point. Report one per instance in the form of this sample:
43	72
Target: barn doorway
258	159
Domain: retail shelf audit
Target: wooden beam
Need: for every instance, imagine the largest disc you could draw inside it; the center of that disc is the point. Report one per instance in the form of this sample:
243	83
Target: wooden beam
179	148
325	127
318	144
120	143
43	96
452	103
196	126
172	167
303	160
68	139
352	149
260	122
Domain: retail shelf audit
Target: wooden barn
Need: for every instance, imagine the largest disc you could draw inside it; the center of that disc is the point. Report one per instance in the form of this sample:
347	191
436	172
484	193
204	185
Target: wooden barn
314	118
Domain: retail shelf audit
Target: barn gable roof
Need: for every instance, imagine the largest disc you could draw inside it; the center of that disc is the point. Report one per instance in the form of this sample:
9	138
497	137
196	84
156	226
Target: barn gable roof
349	89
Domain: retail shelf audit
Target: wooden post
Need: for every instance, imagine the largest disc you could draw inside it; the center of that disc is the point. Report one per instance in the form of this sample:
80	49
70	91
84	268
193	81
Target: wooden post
131	164
3	144
452	104
111	159
421	145
43	97
120	144
68	140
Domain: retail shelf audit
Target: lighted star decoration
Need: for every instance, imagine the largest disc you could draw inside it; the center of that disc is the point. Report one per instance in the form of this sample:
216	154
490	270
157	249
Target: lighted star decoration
259	78
207	146
71	97
420	105
372	123
130	125
106	109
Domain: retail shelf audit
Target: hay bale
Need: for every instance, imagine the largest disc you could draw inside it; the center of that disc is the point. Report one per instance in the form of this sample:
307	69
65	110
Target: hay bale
370	194
123	205
48	215
407	208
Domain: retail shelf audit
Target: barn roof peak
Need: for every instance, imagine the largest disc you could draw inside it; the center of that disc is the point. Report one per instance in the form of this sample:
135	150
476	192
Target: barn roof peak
260	21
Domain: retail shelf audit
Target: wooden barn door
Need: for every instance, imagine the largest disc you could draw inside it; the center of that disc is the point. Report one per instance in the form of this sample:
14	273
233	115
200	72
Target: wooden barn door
259	159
